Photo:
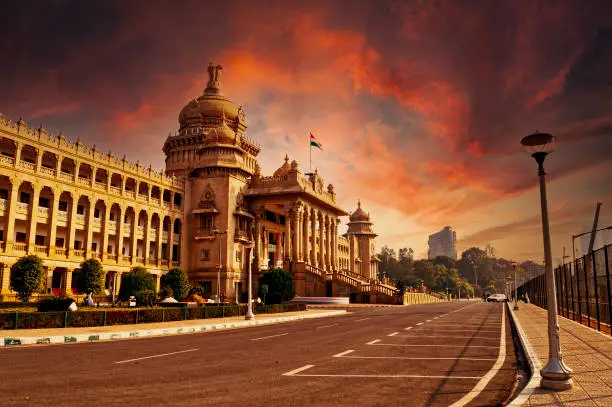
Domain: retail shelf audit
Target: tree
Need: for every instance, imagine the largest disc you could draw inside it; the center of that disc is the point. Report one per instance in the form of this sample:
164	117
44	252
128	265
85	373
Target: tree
135	283
388	262
401	288
178	281
424	270
445	261
92	277
27	276
280	286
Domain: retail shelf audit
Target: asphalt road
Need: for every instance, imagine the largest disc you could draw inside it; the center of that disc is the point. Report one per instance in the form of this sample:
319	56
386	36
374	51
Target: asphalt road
426	355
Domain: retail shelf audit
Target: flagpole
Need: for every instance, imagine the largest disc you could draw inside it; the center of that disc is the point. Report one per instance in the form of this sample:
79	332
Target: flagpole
310	148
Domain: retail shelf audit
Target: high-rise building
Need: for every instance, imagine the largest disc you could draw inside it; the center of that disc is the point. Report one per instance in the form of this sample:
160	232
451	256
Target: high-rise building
443	243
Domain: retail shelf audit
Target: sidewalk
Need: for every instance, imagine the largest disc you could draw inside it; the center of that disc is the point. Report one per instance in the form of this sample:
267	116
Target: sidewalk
64	335
587	352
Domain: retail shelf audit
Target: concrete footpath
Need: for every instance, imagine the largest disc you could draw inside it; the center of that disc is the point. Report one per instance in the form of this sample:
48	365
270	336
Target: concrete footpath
69	335
587	352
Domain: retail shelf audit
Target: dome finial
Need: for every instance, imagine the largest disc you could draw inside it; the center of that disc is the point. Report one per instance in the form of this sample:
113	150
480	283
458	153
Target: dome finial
214	76
286	158
359	203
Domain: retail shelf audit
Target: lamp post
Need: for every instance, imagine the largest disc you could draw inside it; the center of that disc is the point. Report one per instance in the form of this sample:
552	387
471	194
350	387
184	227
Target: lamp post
249	314
219	234
555	375
516	307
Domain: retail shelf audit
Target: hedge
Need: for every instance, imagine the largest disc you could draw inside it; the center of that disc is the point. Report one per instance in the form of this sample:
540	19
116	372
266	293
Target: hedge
65	319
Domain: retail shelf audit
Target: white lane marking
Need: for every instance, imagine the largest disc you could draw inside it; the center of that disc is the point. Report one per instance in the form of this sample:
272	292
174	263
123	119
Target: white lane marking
393	334
407	329
346	352
271	336
429	320
156	356
459	330
416	335
414	358
434	346
326	326
362	319
420	323
393	376
482	383
301	369
373	342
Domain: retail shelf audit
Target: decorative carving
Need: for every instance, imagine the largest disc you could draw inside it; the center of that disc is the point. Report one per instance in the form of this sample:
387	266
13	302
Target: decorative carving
241	115
214	75
319	185
330	188
240	201
207	200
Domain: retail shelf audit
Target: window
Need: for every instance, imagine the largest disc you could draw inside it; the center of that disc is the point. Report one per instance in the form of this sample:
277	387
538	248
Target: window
205	254
39	240
80	209
24	197
43	202
97	213
20	237
206	222
238	256
63	206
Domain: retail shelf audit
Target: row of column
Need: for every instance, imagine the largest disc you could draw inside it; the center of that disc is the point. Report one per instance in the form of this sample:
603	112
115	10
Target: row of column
92	180
301	235
88	251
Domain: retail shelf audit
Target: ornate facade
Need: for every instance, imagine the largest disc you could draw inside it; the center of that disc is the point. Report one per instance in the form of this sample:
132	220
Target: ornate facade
212	212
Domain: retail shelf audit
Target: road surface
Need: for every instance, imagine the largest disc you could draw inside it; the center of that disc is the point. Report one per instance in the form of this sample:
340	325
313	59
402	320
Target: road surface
425	355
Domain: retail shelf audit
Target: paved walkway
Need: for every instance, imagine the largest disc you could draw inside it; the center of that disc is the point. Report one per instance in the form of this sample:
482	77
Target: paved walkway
70	334
587	352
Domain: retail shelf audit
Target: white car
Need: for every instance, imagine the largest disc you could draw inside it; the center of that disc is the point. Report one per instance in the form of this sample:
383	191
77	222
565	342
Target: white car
497	298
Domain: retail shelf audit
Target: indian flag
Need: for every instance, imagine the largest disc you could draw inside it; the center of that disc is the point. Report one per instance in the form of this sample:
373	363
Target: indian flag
315	142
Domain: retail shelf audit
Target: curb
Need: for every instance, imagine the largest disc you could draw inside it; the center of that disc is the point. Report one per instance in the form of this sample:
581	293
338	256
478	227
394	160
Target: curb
534	363
129	334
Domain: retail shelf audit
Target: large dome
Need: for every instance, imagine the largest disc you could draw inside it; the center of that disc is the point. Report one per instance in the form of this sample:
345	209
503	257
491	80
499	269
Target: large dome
211	106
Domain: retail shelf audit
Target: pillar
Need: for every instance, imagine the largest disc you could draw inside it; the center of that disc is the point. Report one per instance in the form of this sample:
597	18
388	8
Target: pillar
72	223
147	239
49	283
160	227
321	262
119	235
89	227
170	240
295	226
5	283
313	237
257	248
33	216
10	225
305	225
53	224
328	242
18	148
335	244
157	282
58	166
118	282
288	250
67	286
105	230
39	159
133	237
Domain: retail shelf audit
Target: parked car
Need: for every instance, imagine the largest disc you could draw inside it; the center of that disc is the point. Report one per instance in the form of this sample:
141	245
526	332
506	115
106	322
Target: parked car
497	298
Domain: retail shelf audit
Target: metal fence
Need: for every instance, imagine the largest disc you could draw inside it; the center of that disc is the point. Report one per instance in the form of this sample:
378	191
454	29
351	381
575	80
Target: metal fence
583	290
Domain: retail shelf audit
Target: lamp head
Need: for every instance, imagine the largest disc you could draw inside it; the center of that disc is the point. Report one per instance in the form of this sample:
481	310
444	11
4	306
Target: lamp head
538	145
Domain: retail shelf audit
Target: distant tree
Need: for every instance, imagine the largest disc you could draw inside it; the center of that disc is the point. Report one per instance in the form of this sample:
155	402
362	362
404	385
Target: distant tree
388	262
280	286
179	282
445	261
135	283
425	270
401	287
92	277
27	276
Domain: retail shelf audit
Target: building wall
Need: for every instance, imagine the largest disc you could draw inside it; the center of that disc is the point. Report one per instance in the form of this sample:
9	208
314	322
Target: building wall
443	243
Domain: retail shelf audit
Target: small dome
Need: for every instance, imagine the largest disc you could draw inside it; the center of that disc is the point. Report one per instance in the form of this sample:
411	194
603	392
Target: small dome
284	169
222	134
359	215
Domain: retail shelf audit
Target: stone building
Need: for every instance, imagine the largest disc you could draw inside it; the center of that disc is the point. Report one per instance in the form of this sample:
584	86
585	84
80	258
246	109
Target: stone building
212	212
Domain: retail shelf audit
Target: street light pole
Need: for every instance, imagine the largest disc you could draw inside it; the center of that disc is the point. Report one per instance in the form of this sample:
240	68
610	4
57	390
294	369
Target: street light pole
219	234
555	375
516	307
249	314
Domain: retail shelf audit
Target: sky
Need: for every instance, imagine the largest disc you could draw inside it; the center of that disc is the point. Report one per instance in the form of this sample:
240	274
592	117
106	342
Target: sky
420	105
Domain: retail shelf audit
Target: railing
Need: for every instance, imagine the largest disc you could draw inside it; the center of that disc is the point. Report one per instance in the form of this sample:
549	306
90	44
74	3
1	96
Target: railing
40	249
42	211
140	261
126	258
152	233
142	198
165	235
22	207
79	219
165	263
47	171
130	194
60	250
385	289
26	165
97	222
152	262
62	215
314	270
3	203
110	256
175	263
84	181
78	253
350	280
7	160
115	190
156	201
100	186
583	290
20	247
66	177
96	255
140	230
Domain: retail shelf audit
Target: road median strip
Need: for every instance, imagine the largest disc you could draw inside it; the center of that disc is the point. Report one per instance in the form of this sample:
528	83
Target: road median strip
173	330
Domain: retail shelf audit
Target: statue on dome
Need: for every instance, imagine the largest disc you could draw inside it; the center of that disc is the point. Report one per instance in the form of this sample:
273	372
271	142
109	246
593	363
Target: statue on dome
214	75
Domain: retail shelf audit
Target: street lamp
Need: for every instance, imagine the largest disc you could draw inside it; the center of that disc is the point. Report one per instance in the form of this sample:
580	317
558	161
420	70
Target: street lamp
516	307
249	314
555	375
219	234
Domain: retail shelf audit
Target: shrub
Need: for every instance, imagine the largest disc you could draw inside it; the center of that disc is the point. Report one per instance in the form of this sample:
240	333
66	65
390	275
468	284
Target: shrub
280	286
92	277
179	282
54	304
146	297
27	276
166	292
135	282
